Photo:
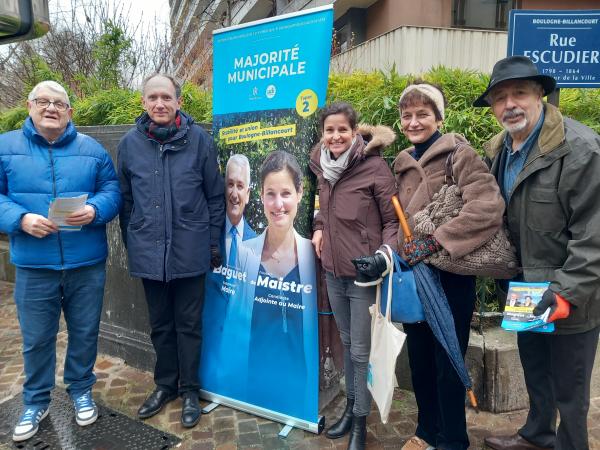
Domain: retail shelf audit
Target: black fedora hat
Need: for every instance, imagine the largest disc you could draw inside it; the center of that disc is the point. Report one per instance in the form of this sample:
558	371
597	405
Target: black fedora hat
515	68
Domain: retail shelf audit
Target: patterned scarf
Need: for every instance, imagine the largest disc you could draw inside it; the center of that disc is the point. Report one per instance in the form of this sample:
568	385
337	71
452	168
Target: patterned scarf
333	168
160	132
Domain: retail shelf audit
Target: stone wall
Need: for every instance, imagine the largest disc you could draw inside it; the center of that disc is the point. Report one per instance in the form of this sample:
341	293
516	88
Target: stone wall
7	270
124	329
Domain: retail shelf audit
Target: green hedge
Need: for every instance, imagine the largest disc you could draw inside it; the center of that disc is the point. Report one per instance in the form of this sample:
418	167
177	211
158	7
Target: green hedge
373	94
13	118
115	107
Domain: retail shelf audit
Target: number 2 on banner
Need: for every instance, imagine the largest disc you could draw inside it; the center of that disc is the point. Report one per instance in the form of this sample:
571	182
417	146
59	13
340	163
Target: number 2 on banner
306	102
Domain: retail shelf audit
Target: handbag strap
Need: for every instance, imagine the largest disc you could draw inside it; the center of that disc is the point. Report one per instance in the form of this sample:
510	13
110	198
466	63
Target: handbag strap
390	267
449	176
399	264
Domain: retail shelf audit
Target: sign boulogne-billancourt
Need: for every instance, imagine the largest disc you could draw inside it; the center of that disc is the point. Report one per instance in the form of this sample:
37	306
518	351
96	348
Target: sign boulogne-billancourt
563	44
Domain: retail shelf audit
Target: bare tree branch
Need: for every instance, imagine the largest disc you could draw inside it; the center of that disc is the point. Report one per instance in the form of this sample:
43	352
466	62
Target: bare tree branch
68	50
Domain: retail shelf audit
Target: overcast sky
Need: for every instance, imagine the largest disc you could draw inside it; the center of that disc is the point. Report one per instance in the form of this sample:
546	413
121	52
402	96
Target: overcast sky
146	10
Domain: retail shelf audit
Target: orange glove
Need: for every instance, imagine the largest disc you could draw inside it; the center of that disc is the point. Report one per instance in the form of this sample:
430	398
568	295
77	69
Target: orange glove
559	307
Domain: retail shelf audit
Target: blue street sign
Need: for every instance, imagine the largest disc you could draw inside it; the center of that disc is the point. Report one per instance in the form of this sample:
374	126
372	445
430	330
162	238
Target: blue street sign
562	44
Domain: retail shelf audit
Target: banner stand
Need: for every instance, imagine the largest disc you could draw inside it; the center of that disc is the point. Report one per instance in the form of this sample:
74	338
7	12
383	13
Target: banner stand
209	408
285	431
260	346
289	422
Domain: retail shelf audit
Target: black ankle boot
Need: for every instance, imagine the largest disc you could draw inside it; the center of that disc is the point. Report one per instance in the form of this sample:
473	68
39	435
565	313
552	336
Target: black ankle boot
358	435
342	426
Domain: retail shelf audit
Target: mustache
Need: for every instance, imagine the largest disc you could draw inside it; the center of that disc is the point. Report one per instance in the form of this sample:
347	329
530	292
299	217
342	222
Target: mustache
513	113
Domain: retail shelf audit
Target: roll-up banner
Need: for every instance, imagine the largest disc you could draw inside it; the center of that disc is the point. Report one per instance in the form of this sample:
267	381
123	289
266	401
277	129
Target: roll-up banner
260	338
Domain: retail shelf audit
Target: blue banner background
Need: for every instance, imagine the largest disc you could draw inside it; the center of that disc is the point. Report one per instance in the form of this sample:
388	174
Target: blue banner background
308	33
260	340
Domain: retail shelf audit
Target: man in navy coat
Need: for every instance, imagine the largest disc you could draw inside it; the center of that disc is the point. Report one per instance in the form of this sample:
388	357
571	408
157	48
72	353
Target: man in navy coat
171	222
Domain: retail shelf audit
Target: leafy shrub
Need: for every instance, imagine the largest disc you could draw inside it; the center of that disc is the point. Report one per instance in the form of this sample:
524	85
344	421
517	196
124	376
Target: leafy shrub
582	105
486	295
108	107
375	96
123	106
197	102
13	118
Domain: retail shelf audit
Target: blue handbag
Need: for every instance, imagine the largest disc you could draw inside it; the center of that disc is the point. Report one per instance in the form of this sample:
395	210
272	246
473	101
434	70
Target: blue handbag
406	305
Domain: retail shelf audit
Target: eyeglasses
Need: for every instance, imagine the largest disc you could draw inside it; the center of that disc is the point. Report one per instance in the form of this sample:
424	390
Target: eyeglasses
43	103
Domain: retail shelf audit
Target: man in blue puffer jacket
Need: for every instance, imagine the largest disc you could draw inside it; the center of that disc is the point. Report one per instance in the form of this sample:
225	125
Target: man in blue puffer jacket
56	268
172	216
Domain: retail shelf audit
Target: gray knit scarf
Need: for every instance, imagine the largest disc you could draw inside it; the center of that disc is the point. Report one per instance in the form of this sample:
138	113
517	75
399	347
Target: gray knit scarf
333	168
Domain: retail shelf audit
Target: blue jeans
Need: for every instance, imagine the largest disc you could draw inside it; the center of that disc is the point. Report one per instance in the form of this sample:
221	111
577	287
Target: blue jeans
40	294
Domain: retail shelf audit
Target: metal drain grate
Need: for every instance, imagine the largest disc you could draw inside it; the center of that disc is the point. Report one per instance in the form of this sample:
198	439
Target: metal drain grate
58	431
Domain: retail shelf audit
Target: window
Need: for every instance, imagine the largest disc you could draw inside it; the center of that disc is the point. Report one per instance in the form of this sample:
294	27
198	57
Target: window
489	14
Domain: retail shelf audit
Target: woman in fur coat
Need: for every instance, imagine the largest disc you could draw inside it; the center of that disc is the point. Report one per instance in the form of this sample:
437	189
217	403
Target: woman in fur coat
356	217
419	172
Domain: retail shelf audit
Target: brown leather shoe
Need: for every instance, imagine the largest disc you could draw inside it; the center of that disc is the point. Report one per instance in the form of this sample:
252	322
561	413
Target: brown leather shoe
514	442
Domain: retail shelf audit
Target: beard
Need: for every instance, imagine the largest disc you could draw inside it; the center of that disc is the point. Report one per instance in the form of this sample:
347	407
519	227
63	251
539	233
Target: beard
512	127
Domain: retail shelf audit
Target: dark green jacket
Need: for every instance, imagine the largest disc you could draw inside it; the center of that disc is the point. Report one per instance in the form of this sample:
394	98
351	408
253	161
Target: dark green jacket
553	214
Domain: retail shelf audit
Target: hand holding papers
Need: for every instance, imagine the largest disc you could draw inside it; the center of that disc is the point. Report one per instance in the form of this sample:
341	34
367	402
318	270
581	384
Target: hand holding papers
37	225
70	213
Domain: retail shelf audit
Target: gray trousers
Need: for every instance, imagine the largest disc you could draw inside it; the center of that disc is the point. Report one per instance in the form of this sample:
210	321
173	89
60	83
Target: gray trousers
350	305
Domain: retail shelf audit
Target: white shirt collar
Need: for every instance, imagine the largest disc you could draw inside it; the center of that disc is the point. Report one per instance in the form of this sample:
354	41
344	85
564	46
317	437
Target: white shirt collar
239	227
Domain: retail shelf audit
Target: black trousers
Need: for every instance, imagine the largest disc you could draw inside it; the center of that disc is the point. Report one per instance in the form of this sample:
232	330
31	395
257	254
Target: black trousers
438	390
175	309
558	372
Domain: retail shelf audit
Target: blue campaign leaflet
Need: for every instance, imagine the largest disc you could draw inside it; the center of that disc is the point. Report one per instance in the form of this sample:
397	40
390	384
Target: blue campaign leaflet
518	313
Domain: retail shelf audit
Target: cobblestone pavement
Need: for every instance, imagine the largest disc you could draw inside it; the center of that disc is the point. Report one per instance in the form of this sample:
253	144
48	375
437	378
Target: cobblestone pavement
124	388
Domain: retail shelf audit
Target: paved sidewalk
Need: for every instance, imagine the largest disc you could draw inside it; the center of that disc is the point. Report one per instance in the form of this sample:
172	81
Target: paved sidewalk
124	388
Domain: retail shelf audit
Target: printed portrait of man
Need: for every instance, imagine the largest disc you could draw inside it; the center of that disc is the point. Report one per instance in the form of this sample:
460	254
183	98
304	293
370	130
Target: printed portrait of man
237	195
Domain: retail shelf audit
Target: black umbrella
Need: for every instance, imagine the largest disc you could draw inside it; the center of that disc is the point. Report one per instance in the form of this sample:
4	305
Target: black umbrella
436	309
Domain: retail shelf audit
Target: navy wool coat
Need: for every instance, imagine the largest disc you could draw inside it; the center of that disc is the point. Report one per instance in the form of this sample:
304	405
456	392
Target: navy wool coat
173	201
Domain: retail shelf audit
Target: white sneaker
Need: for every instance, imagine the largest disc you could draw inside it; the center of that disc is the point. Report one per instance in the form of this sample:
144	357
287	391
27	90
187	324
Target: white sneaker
86	411
29	423
416	443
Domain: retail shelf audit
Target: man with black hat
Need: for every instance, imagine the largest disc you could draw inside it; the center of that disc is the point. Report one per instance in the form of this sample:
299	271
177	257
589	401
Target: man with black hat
547	167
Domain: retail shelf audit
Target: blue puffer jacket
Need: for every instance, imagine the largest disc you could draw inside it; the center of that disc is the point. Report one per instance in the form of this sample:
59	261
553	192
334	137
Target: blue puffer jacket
173	201
33	172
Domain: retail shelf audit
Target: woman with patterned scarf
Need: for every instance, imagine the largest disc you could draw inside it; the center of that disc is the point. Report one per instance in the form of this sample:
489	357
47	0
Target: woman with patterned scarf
356	217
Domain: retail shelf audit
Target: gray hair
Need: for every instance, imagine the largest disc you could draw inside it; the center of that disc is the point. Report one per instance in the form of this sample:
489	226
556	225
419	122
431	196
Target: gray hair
532	84
171	78
51	86
242	162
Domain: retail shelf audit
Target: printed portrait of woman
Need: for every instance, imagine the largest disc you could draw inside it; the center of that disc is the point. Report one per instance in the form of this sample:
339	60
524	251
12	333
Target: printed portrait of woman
275	339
